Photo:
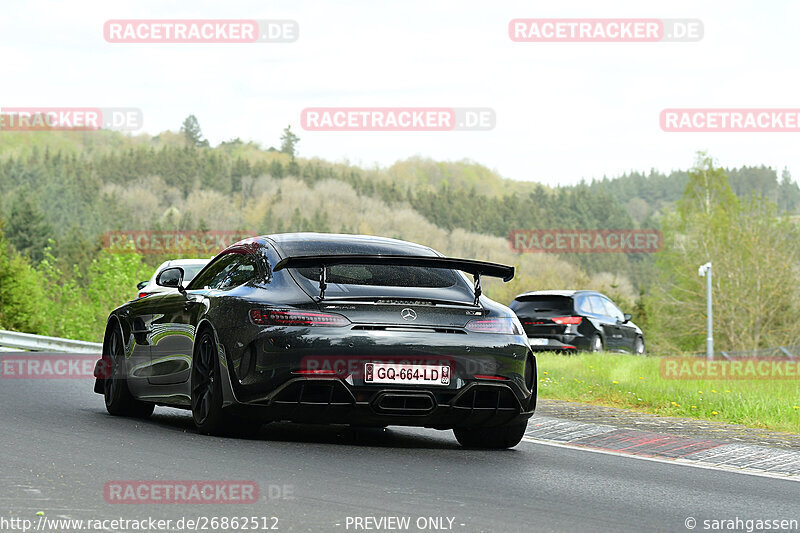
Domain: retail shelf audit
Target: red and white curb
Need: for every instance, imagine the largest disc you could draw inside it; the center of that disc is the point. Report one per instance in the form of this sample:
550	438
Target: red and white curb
664	447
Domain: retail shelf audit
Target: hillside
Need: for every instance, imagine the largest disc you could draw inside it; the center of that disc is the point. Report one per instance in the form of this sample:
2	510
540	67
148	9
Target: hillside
72	187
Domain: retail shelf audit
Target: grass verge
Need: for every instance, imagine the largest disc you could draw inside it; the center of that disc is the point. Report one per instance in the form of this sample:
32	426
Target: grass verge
636	383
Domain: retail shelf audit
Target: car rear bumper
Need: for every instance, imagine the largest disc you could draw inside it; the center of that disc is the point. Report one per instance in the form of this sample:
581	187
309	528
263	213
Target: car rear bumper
559	343
333	401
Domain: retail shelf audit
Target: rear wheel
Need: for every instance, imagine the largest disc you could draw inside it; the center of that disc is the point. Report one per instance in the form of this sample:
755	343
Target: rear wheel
496	438
597	344
118	398
206	385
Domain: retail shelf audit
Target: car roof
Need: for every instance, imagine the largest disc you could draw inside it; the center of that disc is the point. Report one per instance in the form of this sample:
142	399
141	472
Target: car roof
180	262
567	293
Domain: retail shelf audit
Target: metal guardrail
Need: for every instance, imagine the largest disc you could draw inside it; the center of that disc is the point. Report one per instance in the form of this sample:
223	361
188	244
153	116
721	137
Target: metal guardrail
40	343
780	352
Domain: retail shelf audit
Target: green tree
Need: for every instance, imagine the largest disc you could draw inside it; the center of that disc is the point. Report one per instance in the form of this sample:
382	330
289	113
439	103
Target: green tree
74	251
28	229
788	193
289	141
276	169
754	254
192	133
82	303
293	168
22	299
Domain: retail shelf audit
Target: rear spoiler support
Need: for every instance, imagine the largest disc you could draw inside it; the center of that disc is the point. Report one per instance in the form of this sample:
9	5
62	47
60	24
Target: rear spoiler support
476	268
323	274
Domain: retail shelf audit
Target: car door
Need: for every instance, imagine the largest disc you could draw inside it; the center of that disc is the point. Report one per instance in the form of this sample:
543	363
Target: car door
627	333
178	313
172	339
608	323
139	315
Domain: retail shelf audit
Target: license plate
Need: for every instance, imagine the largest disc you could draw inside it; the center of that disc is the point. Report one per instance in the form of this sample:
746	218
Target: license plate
539	342
411	374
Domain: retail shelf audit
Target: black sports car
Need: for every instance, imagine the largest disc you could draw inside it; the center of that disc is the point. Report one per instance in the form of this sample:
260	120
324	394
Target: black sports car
568	321
318	328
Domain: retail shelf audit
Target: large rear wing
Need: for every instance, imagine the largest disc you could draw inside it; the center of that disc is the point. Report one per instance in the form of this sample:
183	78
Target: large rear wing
476	268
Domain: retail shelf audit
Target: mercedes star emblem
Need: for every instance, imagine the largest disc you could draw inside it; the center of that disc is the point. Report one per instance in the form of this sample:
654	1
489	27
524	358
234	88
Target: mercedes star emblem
408	314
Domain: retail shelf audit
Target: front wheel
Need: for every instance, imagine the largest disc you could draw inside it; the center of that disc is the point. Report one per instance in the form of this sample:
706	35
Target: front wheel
497	438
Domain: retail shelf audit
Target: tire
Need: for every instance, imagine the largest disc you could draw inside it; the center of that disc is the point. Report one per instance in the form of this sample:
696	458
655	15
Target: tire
597	344
118	398
638	347
497	438
206	385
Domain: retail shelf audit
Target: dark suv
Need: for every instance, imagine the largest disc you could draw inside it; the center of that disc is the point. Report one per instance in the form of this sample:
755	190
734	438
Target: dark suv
567	321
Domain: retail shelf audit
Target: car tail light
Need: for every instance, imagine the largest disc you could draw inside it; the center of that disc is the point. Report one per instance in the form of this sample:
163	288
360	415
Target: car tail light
495	378
143	294
567	320
277	317
506	325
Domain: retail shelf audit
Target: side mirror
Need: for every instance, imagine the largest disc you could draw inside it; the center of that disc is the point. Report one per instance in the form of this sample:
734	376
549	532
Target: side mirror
141	285
171	278
628	317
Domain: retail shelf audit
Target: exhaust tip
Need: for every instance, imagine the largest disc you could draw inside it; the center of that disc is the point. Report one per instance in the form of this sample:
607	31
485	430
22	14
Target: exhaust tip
405	402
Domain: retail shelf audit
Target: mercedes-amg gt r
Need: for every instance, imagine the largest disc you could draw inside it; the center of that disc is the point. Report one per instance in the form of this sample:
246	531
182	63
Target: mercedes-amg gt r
320	328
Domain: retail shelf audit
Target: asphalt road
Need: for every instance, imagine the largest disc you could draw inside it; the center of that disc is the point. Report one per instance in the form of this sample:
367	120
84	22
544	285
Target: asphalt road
59	449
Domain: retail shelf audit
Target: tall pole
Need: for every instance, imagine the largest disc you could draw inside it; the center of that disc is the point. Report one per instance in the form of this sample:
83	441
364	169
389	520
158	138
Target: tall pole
705	270
709	319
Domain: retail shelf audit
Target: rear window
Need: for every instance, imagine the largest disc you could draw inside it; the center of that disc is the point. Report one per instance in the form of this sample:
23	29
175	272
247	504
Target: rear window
382	275
543	305
373	275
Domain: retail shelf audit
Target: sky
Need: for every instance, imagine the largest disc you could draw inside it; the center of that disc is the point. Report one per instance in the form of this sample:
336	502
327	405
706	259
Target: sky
564	111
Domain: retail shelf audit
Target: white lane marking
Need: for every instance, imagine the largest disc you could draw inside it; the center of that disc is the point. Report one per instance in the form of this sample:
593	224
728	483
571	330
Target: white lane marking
680	462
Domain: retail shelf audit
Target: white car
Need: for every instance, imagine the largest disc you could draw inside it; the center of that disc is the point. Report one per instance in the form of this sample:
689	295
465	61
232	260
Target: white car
190	268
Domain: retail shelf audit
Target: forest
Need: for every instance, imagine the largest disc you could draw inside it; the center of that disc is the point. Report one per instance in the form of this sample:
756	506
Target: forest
61	192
